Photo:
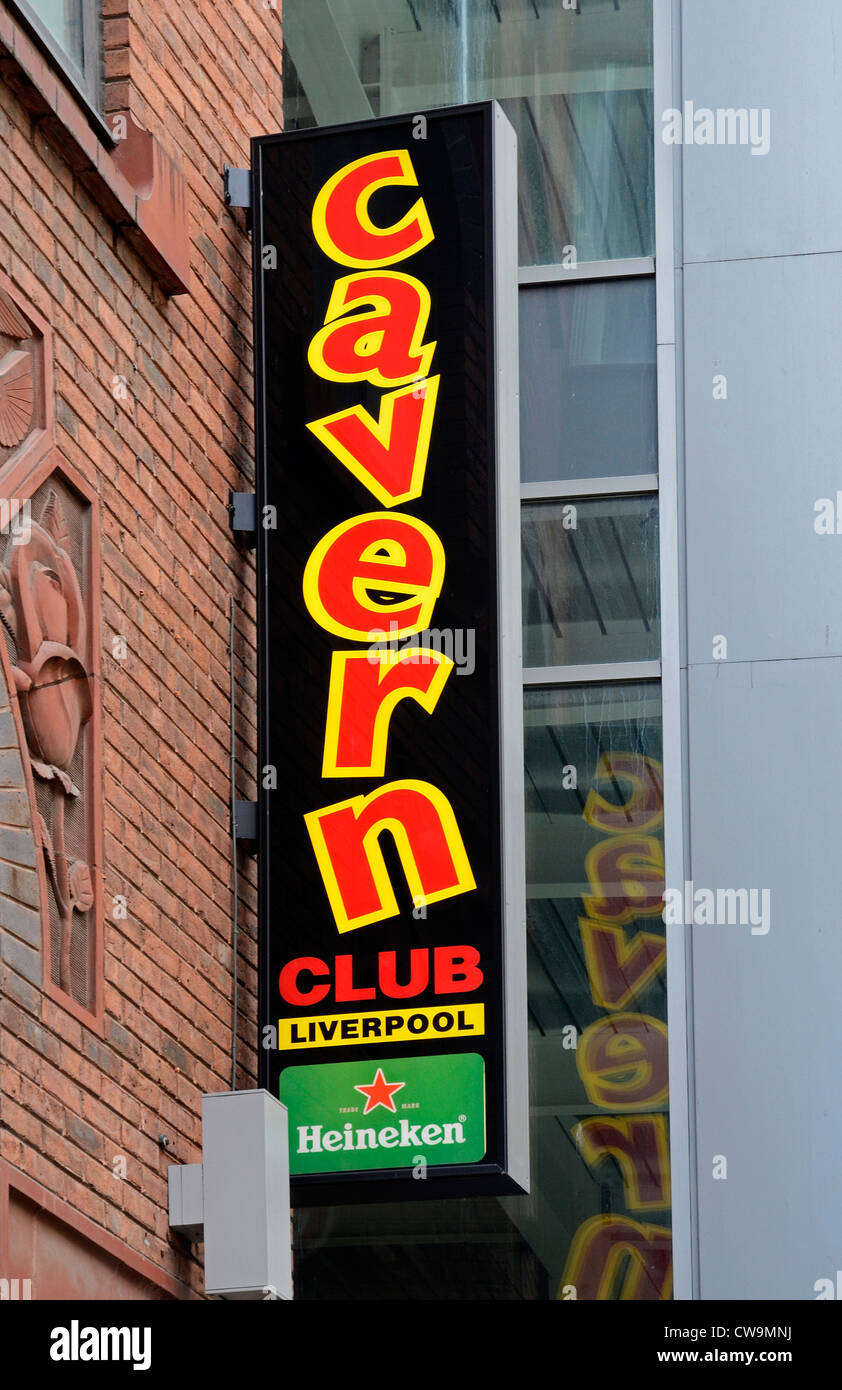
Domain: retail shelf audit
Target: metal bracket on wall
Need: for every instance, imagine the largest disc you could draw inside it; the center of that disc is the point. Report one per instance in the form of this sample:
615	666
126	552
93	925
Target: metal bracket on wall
236	185
237	1199
236	188
242	516
245	824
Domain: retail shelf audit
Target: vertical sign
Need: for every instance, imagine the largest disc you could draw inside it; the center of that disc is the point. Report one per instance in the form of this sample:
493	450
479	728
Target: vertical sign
392	975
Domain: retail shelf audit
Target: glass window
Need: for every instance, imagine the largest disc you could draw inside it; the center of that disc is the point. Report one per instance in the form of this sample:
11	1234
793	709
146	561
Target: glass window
588	403
71	30
576	85
597	997
590	581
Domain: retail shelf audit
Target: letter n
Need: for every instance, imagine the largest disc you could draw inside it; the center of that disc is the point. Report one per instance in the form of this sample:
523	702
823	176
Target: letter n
345	838
613	1257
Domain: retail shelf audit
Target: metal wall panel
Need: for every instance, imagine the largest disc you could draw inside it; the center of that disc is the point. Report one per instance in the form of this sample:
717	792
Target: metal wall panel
758	461
785	57
760	769
765	751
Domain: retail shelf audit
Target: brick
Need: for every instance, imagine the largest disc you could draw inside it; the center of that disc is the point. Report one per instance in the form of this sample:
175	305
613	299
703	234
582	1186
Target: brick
20	958
102	1057
8	732
14	807
11	771
20	921
84	1135
64	1090
18	989
17	845
19	883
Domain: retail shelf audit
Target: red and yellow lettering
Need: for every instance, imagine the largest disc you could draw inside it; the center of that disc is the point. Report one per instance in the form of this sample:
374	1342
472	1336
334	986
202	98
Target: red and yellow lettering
365	687
619	967
457	969
644	808
419	974
288	980
622	1061
374	330
641	1148
341	220
359	571
627	876
346	991
599	1250
345	839
388	455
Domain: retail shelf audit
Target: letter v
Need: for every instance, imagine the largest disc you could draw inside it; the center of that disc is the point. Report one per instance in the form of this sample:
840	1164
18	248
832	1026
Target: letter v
387	455
619	967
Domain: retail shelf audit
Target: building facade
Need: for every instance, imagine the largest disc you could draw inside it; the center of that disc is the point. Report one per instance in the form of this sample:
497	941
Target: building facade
678	251
125	401
679	262
577	86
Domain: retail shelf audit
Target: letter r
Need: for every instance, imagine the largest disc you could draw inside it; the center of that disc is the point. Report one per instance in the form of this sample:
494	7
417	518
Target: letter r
364	690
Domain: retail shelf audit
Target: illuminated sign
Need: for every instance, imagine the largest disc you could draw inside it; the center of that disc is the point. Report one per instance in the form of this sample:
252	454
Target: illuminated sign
391	875
431	1109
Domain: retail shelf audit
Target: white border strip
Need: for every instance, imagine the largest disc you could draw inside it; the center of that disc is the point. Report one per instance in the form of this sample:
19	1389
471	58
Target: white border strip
602	671
588	487
513	815
586	270
667	94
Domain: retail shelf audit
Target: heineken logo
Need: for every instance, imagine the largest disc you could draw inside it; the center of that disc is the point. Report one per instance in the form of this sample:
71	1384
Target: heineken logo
354	1116
380	1092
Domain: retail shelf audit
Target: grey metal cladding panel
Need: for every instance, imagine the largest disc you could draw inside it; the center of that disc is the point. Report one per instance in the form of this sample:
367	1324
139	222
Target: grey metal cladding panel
787	57
756	463
245	1167
765	754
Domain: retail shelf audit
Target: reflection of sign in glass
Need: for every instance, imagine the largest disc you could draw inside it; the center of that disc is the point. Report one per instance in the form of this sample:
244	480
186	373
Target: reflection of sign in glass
355	1115
622	1057
381	359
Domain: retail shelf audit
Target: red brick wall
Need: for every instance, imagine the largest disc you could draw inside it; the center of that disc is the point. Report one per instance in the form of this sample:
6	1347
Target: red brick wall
202	79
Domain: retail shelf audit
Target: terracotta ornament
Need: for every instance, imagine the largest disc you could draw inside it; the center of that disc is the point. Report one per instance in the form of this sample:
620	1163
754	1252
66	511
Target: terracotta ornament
42	611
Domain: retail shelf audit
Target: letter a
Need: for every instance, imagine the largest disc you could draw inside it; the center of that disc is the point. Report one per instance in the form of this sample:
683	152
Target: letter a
384	341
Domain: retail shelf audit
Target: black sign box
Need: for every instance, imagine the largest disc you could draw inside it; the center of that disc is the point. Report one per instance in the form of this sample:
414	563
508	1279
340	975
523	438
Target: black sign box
372	243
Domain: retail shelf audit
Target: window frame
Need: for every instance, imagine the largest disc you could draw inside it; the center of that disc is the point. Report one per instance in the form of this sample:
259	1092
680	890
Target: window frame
618	673
88	91
561	490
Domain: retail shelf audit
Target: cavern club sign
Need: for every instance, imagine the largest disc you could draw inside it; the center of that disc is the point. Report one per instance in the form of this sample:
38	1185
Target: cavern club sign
392	955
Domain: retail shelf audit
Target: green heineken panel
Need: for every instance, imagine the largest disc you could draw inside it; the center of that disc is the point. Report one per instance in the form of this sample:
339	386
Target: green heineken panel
347	1117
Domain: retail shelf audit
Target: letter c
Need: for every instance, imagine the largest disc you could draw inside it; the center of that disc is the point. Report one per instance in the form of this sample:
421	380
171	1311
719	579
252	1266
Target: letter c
288	980
342	223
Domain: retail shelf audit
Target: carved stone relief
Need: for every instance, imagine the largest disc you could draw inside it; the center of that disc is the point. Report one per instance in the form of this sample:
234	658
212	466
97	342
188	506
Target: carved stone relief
48	603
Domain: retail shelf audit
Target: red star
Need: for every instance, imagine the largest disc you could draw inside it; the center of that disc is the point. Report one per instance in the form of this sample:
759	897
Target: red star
380	1092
